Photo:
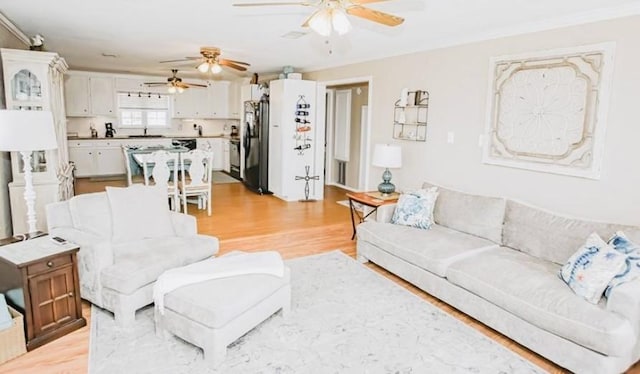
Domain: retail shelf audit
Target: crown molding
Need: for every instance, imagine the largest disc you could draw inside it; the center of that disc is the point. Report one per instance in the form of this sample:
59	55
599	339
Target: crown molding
13	29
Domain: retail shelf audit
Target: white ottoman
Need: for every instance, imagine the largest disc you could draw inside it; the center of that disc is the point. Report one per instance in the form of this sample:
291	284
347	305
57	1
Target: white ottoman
215	313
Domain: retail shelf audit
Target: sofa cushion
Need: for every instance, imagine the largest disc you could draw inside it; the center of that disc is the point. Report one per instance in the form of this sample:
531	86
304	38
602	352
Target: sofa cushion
139	263
91	212
550	236
432	250
216	302
139	212
482	216
530	288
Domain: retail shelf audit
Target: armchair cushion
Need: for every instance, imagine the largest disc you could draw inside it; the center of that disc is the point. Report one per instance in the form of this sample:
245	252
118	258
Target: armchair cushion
139	212
139	263
91	213
183	224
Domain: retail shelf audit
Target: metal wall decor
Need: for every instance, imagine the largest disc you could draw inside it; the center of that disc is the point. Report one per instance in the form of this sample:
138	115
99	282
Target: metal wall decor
410	116
547	110
303	126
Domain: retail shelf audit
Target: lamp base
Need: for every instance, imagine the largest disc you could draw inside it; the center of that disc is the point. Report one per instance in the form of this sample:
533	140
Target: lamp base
386	187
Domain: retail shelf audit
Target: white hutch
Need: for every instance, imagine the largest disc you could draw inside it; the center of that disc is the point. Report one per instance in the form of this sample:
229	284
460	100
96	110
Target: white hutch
34	81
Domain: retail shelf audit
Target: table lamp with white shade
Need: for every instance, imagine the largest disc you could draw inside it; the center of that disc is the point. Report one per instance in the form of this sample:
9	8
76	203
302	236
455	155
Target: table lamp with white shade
389	157
26	131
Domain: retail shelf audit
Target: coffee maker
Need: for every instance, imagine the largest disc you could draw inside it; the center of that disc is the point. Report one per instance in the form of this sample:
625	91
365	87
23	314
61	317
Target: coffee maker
109	130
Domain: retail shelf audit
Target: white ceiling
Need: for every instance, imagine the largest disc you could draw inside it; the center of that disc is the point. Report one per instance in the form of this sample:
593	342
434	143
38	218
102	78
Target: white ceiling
143	32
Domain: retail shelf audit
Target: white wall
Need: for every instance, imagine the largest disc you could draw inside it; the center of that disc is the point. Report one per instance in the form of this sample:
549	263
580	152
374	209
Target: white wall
457	78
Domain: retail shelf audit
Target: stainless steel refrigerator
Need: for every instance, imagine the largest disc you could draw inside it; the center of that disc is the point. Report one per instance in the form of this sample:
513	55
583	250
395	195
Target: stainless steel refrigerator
256	145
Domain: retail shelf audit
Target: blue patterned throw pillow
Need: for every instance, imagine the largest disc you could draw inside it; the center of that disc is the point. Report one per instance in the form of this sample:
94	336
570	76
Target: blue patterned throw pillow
415	209
592	267
631	269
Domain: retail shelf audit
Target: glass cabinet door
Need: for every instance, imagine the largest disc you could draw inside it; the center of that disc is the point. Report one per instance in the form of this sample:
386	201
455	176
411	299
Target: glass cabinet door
26	91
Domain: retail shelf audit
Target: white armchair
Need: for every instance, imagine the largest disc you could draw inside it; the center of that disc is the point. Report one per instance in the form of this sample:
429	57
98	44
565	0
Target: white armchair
117	272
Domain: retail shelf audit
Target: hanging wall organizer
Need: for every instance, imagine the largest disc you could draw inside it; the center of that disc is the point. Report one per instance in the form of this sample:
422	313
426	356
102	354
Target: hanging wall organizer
303	126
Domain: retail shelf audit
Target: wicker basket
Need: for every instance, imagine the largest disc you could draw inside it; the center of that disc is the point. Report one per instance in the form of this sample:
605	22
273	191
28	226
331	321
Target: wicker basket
12	342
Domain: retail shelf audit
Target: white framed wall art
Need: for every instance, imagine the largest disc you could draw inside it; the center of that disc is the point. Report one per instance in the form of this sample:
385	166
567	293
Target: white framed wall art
547	110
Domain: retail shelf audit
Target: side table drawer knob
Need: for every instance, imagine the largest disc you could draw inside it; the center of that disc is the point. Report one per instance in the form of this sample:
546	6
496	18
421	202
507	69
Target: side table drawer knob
70	294
50	264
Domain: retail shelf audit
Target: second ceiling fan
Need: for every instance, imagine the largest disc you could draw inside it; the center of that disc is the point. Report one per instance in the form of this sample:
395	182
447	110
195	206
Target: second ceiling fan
210	60
332	14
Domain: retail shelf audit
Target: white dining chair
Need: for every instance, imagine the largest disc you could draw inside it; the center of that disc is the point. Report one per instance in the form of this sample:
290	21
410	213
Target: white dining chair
196	166
131	179
160	168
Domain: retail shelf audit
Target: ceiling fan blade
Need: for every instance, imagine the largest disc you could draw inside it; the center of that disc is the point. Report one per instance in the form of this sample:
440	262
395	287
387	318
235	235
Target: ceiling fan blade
375	15
232	65
195	85
155	83
270	4
182	60
235	62
306	22
360	2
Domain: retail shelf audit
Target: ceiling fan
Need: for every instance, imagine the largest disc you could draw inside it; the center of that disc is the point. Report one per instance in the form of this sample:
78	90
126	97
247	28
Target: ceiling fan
332	14
210	57
174	83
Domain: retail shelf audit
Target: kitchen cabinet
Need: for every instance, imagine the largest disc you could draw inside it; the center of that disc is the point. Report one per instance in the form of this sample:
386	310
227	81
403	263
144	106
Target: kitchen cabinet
235	107
203	103
87	96
217	146
225	156
218	99
97	158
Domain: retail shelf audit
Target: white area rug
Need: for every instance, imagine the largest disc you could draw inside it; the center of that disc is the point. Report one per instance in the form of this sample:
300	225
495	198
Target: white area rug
345	319
222	178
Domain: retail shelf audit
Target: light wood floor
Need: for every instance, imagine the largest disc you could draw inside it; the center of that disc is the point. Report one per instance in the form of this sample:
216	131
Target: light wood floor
247	221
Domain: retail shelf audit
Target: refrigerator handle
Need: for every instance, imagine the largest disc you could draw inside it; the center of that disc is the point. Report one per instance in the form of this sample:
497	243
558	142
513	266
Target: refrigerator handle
246	140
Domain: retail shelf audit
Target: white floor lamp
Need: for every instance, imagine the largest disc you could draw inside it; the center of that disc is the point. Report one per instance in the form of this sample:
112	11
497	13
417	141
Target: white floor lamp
26	131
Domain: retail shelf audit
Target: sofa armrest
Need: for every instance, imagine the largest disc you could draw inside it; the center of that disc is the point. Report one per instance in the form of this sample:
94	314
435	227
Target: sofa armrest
624	299
95	254
385	212
184	224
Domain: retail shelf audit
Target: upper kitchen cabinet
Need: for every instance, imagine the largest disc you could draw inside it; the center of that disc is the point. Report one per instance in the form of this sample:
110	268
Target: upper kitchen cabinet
203	103
235	107
87	95
218	99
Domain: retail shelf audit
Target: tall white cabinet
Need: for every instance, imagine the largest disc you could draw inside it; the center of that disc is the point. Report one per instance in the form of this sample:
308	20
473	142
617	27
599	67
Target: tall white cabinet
296	141
34	81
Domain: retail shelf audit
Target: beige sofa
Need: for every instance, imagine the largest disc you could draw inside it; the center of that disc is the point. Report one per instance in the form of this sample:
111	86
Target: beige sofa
498	260
119	276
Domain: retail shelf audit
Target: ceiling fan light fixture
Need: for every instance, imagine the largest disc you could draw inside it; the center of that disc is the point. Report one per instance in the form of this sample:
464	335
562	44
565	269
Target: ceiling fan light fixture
180	89
216	68
340	21
171	89
321	22
203	67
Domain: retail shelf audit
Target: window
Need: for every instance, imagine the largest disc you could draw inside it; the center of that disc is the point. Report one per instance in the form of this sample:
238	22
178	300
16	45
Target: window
143	110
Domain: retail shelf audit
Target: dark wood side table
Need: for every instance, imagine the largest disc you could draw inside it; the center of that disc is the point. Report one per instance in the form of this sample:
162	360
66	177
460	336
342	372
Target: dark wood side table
367	199
40	279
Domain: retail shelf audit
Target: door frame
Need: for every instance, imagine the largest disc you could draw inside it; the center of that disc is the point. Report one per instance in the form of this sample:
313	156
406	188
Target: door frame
365	149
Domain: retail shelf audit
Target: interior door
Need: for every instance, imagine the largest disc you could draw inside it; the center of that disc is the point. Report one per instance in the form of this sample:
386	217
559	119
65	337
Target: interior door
342	125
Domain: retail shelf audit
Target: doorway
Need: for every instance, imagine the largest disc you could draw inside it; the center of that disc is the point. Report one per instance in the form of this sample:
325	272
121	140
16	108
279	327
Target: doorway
347	133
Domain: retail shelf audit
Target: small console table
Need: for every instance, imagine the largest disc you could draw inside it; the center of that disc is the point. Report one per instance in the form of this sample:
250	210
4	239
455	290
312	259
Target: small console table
40	279
369	199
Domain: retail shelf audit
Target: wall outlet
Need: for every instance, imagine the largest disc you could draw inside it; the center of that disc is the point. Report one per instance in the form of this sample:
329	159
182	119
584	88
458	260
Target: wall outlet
451	137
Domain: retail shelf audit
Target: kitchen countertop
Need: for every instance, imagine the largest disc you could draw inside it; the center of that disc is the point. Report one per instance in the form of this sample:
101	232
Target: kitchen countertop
224	136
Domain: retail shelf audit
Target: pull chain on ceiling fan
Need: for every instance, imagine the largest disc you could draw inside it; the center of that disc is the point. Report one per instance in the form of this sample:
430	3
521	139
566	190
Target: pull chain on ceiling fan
331	15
